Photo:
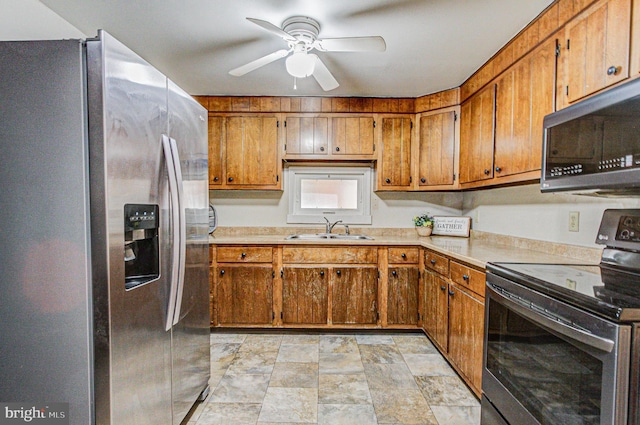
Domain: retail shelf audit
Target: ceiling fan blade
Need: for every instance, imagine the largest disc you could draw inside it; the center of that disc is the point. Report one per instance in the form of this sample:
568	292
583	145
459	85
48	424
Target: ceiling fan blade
323	76
241	70
352	44
273	29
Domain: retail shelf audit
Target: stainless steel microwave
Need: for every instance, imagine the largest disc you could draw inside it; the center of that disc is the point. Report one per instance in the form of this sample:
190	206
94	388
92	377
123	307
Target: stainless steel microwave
594	145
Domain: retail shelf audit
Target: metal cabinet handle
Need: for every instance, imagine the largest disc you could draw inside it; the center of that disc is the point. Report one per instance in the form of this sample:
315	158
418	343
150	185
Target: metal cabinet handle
613	70
338	272
221	272
215	179
230	179
394	273
387	181
404	255
451	292
423	180
465	277
486	172
433	262
498	169
442	287
243	255
321	148
337	148
321	272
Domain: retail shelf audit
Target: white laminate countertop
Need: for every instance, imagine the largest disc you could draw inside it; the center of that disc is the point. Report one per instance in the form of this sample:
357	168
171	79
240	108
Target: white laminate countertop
476	251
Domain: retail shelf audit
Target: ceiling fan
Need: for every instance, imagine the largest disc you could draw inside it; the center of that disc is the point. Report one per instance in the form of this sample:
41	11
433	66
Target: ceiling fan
301	34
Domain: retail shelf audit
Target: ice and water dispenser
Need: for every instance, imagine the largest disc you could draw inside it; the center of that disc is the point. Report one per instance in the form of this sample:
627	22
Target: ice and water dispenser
141	249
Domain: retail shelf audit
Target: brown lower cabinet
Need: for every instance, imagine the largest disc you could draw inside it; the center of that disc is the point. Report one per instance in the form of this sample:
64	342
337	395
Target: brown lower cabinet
453	314
305	295
245	294
354	295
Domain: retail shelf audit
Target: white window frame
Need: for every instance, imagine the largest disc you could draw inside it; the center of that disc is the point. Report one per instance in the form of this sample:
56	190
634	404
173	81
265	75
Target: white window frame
298	215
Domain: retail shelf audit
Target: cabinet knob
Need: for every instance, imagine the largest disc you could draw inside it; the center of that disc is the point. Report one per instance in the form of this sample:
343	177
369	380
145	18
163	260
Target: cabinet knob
451	292
338	272
221	272
442	287
230	179
465	277
433	262
498	169
404	255
337	148
486	172
243	255
394	273
387	181
423	180
321	272
321	148
215	179
613	70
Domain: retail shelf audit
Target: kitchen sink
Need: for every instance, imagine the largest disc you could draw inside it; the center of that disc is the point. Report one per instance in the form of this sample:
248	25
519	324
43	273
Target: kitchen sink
325	236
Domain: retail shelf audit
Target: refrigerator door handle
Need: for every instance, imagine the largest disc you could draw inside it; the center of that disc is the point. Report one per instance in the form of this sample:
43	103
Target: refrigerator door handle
175	230
182	231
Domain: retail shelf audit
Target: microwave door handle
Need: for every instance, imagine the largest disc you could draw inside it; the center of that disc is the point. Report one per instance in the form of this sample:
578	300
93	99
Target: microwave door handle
182	231
569	331
175	225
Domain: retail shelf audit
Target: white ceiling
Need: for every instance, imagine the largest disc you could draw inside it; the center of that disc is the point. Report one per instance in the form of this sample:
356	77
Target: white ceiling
432	45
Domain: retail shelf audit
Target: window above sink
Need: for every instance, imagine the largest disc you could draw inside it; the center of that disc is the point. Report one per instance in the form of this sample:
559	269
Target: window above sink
338	193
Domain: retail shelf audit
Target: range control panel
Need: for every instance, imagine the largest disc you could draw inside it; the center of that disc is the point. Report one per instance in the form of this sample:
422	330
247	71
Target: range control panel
628	229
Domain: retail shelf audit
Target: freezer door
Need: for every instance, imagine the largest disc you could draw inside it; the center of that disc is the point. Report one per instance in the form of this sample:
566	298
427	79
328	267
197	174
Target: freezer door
190	347
45	312
128	117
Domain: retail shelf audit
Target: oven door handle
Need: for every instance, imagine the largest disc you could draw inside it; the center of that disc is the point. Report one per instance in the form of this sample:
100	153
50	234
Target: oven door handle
602	344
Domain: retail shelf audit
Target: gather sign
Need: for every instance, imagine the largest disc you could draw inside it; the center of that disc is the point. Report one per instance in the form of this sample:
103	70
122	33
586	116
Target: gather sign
451	226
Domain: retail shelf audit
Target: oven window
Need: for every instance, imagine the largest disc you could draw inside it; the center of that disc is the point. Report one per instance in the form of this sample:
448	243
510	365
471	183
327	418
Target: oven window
555	381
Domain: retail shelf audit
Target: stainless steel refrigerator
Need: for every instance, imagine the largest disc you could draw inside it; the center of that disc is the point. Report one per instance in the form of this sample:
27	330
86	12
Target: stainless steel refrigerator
103	234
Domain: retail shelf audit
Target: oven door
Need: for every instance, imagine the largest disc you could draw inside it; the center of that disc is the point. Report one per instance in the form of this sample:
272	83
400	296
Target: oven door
546	362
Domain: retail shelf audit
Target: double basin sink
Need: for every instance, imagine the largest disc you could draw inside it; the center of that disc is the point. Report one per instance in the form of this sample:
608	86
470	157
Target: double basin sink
325	236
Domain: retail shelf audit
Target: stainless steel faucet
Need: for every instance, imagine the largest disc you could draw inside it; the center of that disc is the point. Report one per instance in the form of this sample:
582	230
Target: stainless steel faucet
330	225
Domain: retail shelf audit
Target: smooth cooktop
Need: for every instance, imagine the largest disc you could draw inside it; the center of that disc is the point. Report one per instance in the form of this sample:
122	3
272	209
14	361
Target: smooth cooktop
613	294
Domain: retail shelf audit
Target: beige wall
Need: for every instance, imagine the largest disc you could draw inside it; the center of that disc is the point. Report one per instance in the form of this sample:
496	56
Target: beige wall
525	212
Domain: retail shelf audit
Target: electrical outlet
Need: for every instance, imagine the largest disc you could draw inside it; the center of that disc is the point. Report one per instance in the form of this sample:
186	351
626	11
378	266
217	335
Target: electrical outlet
574	221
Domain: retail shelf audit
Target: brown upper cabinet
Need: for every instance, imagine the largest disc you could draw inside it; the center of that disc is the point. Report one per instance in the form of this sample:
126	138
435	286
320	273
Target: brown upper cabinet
438	149
476	136
394	171
596	47
524	95
243	152
328	137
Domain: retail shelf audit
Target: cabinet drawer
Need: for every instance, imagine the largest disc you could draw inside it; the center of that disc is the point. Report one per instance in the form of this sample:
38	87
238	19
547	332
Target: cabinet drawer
468	277
403	254
436	262
330	255
244	254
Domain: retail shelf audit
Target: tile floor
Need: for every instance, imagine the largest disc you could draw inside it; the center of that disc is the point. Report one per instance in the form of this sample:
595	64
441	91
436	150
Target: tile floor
332	378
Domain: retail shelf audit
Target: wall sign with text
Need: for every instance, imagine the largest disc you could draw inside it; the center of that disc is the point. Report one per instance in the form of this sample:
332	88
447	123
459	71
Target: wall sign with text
452	226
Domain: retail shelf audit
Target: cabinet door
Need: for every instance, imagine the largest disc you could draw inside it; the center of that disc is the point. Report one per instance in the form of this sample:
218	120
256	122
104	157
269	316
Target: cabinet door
216	140
304	295
524	95
436	166
598	48
436	309
402	296
244	294
307	135
352	135
252	151
466	334
477	136
354	295
395	165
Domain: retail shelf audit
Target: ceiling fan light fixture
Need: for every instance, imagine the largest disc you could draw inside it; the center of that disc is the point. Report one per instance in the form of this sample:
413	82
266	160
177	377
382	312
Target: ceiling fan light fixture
300	64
